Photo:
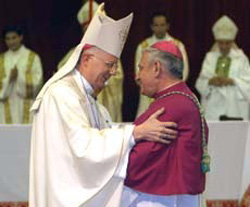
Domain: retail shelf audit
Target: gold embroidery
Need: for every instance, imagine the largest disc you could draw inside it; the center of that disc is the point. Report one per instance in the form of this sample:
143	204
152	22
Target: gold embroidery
223	66
144	44
7	113
2	71
26	114
151	100
29	88
8	118
177	42
205	161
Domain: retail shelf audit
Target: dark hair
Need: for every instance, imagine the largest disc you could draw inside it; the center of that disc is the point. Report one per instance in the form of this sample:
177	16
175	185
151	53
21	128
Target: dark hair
12	28
159	14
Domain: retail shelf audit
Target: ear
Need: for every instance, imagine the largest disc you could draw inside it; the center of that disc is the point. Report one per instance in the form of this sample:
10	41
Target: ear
84	58
157	68
83	63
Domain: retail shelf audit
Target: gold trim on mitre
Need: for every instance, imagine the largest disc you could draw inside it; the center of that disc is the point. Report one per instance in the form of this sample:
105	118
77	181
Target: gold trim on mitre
225	29
108	34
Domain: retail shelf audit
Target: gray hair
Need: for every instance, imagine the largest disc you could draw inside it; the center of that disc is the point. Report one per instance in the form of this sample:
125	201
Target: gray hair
171	63
91	50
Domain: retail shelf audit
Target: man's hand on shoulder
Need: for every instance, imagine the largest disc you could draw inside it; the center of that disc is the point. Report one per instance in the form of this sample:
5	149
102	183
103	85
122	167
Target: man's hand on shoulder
155	130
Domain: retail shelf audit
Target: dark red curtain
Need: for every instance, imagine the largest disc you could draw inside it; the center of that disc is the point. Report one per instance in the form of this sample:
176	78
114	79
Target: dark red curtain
51	29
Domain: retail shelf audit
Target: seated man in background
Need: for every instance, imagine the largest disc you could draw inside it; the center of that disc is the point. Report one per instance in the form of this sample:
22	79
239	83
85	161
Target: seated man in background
160	28
21	77
168	175
224	80
112	94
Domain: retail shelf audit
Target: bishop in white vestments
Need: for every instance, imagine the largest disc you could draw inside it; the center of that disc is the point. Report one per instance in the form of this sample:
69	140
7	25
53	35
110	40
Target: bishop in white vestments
78	159
224	80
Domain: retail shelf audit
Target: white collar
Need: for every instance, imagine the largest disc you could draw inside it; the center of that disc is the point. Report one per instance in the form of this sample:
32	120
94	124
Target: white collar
87	87
16	52
166	37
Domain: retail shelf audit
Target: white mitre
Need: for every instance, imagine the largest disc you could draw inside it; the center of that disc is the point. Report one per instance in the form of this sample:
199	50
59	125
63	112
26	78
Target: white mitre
86	13
225	29
103	32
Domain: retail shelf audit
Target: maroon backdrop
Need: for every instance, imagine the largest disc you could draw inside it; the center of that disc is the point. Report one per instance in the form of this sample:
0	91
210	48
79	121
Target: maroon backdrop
51	29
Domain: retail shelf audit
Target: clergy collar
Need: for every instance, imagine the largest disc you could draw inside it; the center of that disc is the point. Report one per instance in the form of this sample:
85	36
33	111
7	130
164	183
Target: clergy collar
166	37
16	51
88	88
174	86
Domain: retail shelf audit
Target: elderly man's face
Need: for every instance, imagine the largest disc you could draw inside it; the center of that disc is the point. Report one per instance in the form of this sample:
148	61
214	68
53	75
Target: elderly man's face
145	75
98	67
225	46
159	26
13	40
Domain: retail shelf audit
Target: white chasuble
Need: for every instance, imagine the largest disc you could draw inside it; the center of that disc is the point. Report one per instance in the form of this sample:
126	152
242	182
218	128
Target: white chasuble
233	100
73	163
17	96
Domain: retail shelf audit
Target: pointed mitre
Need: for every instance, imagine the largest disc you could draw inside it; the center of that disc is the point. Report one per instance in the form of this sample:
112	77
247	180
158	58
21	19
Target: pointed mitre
225	29
106	33
86	13
103	32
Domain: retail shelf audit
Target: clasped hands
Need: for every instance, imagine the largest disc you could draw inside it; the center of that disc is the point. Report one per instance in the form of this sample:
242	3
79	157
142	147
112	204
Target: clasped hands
221	81
13	74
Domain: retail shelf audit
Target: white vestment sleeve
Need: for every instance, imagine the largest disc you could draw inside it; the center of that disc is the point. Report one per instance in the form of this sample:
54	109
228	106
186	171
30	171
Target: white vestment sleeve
243	80
6	86
122	169
36	77
205	75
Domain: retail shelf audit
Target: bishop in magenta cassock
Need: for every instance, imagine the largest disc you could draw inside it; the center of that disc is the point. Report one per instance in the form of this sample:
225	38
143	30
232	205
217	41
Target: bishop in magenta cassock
174	174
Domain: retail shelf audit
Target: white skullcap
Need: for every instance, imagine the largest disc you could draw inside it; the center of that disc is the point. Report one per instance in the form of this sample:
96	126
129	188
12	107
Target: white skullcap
86	13
225	29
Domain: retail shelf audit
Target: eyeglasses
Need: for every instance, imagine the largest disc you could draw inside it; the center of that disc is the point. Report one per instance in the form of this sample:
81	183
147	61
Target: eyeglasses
112	66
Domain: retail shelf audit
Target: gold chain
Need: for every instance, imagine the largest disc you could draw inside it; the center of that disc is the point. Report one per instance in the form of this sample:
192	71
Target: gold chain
205	156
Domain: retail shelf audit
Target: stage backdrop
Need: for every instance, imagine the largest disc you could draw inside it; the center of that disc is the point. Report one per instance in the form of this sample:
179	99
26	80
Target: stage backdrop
51	29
